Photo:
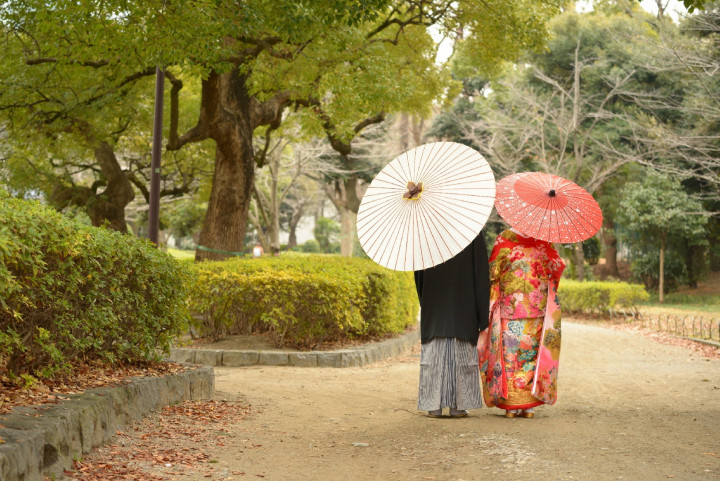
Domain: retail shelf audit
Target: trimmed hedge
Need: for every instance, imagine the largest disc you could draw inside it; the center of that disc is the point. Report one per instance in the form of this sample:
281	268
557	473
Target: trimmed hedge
593	297
70	291
302	300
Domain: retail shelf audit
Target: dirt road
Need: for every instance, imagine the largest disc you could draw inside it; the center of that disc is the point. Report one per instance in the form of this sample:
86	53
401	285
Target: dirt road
628	409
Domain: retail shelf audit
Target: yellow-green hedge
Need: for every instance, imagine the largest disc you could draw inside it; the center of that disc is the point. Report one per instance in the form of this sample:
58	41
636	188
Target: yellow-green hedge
599	297
301	300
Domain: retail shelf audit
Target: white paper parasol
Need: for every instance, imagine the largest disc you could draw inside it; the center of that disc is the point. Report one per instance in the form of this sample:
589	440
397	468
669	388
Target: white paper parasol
426	206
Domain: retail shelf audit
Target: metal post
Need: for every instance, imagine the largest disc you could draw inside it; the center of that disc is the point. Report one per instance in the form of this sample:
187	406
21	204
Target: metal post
154	212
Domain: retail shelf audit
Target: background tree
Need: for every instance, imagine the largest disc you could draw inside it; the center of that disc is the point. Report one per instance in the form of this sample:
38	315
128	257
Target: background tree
683	140
283	190
658	209
183	220
325	232
564	111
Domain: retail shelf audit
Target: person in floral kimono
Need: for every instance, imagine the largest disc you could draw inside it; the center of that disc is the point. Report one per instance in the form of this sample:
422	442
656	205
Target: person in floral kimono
519	352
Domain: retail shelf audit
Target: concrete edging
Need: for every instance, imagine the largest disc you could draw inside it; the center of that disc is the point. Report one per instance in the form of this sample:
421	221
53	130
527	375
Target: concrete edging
44	440
703	341
351	357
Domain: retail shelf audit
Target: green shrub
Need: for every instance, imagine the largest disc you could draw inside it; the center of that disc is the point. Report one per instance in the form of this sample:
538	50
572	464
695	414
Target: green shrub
645	268
70	291
310	246
599	297
591	250
302	300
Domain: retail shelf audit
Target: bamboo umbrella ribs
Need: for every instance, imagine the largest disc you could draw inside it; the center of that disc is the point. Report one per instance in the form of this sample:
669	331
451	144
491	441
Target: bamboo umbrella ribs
426	206
548	207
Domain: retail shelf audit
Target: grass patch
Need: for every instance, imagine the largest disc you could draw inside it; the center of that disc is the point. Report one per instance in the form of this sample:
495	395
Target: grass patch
704	300
182	255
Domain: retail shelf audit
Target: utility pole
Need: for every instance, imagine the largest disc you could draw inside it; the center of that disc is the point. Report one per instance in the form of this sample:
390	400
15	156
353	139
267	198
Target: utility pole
154	213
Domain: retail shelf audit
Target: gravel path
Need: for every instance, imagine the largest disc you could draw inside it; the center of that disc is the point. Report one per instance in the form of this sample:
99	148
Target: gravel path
628	408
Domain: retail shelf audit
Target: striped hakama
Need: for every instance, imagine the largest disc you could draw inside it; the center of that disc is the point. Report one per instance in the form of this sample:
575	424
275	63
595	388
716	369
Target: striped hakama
449	375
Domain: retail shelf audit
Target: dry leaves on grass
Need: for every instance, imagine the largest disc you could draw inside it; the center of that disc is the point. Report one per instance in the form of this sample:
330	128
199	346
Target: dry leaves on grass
177	441
84	376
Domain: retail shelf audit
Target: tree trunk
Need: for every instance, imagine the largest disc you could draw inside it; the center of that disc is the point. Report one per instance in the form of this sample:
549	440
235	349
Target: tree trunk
274	234
403	127
226	117
259	233
689	264
292	228
108	207
418	130
229	116
610	241
274	225
579	262
343	193
661	286
225	222
347	231
352	196
262	239
292	238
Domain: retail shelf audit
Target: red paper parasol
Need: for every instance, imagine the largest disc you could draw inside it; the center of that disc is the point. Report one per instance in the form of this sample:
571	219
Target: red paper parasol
548	207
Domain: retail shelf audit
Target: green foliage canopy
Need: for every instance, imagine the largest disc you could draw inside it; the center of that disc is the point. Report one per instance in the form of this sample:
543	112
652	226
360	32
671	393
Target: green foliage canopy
659	207
344	64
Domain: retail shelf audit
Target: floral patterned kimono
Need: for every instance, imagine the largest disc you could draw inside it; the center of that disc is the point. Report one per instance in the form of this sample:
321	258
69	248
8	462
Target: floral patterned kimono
520	361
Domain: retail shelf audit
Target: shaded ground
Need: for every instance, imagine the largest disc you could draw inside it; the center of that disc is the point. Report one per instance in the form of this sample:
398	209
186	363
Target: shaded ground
265	342
629	408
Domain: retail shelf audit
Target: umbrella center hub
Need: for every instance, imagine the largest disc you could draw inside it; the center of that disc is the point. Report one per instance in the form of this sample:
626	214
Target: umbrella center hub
552	199
414	191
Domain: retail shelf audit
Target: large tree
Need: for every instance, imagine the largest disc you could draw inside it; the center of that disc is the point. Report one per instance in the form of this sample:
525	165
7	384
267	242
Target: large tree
566	111
78	135
344	63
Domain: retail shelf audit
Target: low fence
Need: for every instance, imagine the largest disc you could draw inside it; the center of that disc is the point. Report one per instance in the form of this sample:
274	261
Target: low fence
698	327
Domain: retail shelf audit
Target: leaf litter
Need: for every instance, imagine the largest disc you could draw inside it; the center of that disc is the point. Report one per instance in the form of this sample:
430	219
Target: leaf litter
83	376
178	441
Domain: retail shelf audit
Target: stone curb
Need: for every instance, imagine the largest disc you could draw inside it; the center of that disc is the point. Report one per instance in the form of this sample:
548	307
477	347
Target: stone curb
703	341
44	440
351	357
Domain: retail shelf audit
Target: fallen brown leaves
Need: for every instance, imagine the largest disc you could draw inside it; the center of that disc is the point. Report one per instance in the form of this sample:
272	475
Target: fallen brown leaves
174	442
84	376
705	350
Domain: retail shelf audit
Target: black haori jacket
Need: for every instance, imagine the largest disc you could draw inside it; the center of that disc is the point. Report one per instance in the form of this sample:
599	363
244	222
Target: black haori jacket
455	295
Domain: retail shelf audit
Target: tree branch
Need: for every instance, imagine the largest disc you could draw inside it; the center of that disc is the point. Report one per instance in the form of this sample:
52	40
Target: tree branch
88	63
174	107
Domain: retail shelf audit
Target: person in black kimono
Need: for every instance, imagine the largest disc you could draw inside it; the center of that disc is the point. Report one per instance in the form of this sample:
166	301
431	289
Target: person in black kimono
454	302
